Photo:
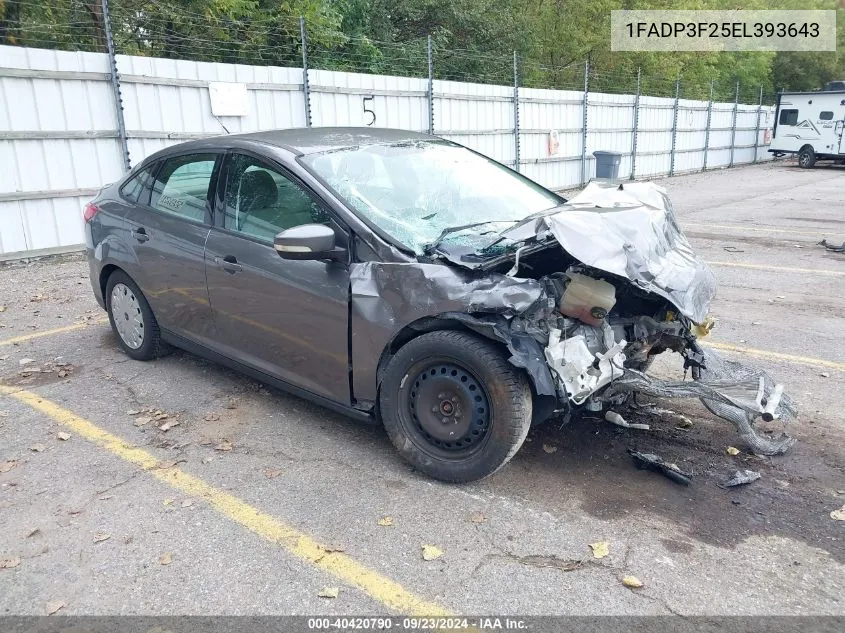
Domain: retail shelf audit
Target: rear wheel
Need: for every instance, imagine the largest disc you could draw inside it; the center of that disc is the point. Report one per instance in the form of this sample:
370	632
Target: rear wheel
454	407
806	157
132	319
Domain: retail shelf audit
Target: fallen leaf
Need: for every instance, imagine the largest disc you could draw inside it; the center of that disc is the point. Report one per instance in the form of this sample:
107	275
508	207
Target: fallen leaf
548	448
33	532
272	473
169	502
63	374
684	422
3	308
477	517
104	497
207	460
25	361
430	552
330	549
730	450
7	466
142	420
55	605
329	592
211	417
600	549
824	374
38	448
168	425
839	514
231	403
99	537
63	436
9	563
132	412
632	581
385	521
166	558
166	463
224	445
187	503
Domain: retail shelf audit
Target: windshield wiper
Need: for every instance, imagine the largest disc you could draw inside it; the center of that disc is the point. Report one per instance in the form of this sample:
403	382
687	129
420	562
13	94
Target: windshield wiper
428	249
523	222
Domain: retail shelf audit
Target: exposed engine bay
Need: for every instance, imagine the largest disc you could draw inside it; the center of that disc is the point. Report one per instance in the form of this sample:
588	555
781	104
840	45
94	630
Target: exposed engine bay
632	288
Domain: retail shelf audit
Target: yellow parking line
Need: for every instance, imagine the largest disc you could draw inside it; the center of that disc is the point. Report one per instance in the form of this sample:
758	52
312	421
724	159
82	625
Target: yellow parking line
340	565
58	330
789	358
787	269
739	227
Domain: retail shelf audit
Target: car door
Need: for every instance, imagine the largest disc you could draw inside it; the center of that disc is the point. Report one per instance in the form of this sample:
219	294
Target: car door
168	228
286	318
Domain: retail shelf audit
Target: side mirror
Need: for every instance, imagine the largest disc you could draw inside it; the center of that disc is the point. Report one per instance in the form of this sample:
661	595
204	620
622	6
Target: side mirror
309	241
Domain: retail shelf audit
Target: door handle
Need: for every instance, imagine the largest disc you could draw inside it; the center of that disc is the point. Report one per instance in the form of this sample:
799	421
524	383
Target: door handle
229	263
140	234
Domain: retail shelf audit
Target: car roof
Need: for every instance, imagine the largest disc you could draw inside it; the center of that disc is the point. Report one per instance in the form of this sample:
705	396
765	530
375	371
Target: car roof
307	140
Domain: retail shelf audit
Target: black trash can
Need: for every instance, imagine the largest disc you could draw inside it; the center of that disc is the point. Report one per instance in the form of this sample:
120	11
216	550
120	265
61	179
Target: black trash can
607	164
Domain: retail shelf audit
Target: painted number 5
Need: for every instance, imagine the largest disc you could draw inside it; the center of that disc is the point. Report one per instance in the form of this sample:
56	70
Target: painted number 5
368	111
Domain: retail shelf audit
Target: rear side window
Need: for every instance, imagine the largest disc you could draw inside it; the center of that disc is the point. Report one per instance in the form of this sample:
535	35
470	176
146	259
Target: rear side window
788	117
181	186
827	115
137	188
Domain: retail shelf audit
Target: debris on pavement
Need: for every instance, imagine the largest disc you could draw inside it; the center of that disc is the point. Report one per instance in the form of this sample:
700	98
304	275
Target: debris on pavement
38	448
730	450
187	503
99	537
477	517
832	247
618	420
650	461
224	446
54	605
329	592
431	552
600	549
385	521
168	425
838	515
741	477
632	582
549	448
7	466
10	562
63	436
166	558
272	473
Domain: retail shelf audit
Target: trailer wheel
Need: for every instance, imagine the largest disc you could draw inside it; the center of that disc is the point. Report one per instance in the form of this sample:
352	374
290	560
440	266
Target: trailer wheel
806	157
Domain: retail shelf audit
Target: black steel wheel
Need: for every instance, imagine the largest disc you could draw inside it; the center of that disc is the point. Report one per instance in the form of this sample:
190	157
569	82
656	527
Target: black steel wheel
806	157
454	406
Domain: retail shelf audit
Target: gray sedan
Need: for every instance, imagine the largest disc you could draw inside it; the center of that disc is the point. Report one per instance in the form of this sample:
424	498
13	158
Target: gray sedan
406	280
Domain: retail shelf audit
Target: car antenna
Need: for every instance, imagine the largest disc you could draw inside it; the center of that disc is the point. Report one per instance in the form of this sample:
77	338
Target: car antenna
221	123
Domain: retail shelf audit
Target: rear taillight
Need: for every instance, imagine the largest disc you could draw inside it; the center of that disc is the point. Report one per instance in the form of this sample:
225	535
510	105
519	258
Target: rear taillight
90	211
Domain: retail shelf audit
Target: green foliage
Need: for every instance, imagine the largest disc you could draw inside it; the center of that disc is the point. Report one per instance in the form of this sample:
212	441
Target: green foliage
473	40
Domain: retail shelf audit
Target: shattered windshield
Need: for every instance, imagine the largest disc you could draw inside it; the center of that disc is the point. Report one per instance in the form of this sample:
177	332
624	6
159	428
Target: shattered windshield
417	191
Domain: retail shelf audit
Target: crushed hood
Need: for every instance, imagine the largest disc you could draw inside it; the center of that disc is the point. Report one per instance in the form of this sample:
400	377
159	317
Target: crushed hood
630	230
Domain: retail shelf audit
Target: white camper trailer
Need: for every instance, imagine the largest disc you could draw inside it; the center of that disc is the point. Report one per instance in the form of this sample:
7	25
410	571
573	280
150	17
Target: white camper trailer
810	124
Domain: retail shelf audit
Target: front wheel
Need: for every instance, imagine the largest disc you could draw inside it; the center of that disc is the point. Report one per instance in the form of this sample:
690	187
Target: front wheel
454	407
806	158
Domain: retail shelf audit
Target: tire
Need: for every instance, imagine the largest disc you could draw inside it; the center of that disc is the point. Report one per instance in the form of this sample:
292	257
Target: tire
454	407
132	308
806	157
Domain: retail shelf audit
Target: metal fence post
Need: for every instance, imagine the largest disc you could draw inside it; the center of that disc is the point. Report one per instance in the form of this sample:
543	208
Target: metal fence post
516	109
674	128
636	128
584	122
733	124
115	84
707	130
757	129
306	90
430	88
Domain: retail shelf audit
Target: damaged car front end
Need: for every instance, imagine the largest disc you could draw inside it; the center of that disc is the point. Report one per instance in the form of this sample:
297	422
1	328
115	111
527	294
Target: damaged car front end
584	295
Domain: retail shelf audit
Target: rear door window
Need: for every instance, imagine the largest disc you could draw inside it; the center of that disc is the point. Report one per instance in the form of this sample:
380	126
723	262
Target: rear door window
788	117
181	186
137	188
